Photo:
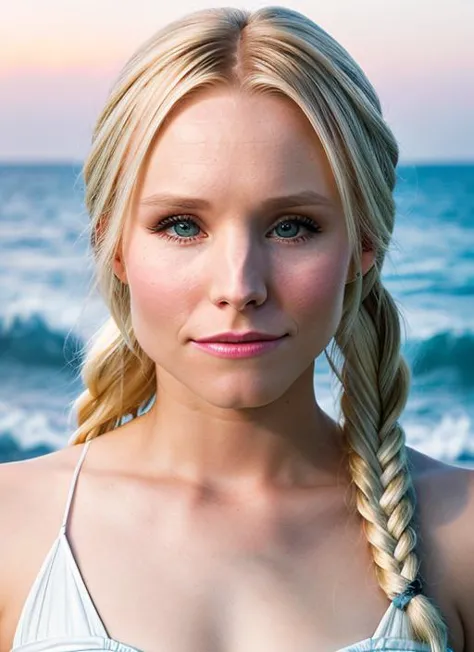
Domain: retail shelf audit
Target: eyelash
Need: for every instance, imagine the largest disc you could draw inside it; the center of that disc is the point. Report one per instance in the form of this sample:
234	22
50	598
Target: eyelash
169	220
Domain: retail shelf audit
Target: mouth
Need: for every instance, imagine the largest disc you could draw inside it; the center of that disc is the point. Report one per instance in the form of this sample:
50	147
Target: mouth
245	349
229	342
235	338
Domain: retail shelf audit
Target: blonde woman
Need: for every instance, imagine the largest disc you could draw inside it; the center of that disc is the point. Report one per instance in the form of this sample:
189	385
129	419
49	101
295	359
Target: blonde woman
240	181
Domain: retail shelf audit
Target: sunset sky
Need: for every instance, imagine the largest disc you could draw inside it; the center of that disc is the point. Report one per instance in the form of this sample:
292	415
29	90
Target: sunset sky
58	60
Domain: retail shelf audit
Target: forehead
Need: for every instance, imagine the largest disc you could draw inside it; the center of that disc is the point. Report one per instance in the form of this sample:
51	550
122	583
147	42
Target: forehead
227	137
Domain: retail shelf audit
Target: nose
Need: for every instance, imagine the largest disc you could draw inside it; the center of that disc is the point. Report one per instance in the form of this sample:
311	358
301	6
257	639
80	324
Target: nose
239	271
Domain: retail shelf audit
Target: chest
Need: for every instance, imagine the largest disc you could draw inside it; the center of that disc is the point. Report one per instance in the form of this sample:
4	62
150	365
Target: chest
225	581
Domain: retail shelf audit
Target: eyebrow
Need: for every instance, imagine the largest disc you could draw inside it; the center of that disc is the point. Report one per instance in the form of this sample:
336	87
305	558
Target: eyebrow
303	198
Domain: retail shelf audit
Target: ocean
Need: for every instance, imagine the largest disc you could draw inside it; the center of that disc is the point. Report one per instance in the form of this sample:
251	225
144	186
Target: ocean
44	316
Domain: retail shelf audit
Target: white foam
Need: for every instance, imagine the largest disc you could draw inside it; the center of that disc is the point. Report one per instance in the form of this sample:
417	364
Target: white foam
422	323
446	441
29	428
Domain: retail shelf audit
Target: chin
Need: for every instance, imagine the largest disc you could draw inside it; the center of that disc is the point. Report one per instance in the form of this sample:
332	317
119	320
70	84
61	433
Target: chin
243	395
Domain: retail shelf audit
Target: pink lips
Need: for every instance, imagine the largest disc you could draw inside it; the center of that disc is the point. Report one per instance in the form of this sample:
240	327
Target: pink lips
235	336
239	349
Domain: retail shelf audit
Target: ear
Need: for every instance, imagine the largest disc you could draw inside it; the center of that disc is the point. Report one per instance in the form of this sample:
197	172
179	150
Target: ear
367	262
119	268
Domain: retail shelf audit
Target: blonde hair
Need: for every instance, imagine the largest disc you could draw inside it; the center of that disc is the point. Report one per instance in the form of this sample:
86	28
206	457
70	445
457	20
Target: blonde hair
280	51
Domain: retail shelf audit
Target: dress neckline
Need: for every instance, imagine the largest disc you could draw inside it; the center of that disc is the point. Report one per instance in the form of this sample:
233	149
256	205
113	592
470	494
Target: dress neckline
127	647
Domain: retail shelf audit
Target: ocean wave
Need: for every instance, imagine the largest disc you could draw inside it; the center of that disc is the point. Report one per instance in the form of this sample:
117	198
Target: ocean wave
447	350
26	433
32	339
450	440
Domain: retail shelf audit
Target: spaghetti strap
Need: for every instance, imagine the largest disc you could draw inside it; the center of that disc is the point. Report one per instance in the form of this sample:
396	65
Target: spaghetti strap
73	485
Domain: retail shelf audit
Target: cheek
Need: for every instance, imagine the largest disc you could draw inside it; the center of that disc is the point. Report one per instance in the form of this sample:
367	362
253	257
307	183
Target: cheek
317	294
159	294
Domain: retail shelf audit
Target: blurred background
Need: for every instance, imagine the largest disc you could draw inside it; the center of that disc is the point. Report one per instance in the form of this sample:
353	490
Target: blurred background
58	60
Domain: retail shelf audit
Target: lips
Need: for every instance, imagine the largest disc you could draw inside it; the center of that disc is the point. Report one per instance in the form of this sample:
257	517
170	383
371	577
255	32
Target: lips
239	338
236	350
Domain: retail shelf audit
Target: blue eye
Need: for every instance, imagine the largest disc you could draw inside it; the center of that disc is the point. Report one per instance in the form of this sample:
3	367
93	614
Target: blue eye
184	222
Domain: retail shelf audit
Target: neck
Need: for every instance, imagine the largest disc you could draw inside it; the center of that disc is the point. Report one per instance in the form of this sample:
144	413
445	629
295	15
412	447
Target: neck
289	444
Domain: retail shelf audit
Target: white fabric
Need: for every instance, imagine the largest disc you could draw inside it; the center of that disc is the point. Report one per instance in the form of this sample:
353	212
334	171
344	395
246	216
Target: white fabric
59	615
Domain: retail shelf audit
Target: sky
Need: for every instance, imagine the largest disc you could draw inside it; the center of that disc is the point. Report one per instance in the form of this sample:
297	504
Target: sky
59	58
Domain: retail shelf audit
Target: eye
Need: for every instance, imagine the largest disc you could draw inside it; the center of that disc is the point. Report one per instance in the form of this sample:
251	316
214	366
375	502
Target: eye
288	224
185	224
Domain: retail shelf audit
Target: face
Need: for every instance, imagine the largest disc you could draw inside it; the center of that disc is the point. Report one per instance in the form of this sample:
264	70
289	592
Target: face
235	263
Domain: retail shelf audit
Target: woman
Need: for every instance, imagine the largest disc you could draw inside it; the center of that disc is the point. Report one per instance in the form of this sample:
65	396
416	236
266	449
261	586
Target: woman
240	180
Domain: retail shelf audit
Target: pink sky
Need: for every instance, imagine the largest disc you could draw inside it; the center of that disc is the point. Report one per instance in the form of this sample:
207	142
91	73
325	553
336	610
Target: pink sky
60	58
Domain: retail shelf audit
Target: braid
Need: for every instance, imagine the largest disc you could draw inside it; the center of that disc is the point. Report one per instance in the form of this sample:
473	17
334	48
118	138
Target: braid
117	382
375	383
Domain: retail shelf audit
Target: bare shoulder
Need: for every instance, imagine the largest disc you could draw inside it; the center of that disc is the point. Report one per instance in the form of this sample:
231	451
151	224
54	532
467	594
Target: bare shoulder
445	492
32	494
445	497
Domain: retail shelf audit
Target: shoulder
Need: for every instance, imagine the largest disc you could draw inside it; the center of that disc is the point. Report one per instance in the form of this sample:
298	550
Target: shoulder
445	492
32	497
445	498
